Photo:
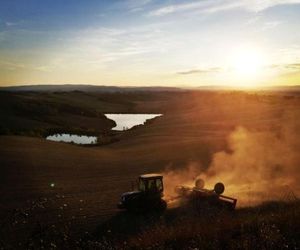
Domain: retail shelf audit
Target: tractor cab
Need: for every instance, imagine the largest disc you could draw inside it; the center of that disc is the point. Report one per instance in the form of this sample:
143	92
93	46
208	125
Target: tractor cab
151	184
147	196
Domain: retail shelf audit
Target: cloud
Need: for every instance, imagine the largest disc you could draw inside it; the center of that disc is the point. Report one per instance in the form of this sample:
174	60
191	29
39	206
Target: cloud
91	48
288	66
169	9
104	47
295	66
8	65
11	65
271	25
199	71
10	24
220	5
260	5
138	3
130	5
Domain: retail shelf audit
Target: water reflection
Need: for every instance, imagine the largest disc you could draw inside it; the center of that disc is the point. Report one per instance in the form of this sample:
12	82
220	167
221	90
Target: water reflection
127	121
123	121
77	139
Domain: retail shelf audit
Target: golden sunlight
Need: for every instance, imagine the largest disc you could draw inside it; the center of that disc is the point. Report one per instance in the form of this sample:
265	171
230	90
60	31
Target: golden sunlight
248	63
247	66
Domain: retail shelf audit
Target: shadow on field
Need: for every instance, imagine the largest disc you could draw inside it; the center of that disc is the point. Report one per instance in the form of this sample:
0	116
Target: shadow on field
125	223
126	226
268	226
273	225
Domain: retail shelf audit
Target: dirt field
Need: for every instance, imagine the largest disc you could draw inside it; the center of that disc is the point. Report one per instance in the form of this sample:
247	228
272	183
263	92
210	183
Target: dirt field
89	180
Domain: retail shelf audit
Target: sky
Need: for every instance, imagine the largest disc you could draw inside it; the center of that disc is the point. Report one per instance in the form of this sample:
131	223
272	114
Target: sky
150	42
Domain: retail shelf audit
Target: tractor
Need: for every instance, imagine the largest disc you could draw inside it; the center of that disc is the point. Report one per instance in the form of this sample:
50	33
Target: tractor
148	195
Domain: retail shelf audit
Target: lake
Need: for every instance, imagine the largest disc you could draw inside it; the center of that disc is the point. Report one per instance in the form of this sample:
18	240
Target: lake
77	139
123	121
127	121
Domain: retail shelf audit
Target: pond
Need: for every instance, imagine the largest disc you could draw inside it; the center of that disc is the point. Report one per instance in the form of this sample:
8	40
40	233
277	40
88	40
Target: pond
77	139
127	121
123	121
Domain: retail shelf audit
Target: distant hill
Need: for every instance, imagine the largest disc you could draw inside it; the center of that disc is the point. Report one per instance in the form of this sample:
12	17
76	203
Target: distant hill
118	89
283	88
85	88
280	88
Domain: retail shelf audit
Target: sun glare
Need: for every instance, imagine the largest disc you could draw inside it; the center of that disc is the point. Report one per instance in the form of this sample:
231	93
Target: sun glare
248	63
247	66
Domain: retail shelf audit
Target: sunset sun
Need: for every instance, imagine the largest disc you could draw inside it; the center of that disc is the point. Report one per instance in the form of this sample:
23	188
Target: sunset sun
247	67
248	63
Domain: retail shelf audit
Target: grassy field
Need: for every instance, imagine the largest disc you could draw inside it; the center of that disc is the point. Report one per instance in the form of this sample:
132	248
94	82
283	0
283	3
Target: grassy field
89	180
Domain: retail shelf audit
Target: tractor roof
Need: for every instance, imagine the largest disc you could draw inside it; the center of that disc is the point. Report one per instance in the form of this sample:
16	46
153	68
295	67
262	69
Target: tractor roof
151	176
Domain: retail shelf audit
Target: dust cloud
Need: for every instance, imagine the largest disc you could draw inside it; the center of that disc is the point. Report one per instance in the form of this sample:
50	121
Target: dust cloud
184	176
259	165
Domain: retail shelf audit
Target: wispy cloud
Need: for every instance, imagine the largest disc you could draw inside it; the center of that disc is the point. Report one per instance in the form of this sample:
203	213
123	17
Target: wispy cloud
11	24
104	47
199	71
271	25
211	6
285	67
137	5
293	66
130	5
9	65
169	9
